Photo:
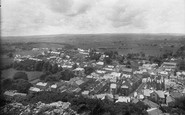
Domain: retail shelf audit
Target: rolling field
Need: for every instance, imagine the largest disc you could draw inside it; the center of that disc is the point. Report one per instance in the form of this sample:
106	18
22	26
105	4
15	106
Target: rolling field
150	44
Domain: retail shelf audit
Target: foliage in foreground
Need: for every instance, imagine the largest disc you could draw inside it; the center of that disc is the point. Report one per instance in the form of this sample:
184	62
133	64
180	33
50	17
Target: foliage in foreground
96	106
81	104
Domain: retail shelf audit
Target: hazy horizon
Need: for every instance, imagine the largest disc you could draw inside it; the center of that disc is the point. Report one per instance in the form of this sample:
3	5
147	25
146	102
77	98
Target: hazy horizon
155	34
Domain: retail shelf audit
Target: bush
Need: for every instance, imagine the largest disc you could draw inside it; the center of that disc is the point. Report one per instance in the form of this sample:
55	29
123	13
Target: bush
67	75
107	60
55	68
52	78
38	66
21	85
20	75
6	83
48	97
93	106
182	65
44	75
89	70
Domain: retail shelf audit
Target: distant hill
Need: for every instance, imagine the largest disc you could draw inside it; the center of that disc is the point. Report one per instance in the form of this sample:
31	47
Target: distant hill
65	38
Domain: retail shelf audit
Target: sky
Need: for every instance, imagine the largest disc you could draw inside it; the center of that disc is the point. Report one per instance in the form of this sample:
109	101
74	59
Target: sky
44	17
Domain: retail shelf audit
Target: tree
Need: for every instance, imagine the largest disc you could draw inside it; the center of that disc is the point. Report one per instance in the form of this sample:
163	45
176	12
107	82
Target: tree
157	60
52	78
177	107
107	60
43	76
74	66
81	108
180	102
15	64
10	55
128	64
20	75
55	68
60	69
111	54
175	72
168	54
49	68
38	66
67	75
180	52
45	66
49	97
98	108
142	54
88	70
120	59
21	85
182	65
6	83
93	55
129	56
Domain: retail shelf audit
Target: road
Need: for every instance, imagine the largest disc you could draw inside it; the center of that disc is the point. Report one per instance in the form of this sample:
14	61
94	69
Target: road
138	90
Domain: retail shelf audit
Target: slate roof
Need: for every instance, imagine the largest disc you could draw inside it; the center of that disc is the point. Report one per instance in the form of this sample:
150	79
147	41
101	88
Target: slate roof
147	92
175	94
154	111
123	99
150	103
113	85
160	93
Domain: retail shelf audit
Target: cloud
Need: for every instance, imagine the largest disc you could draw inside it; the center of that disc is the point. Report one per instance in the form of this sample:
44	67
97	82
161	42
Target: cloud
69	7
35	17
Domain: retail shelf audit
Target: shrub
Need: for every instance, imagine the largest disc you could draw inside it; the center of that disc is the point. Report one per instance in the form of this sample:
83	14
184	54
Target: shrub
20	75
